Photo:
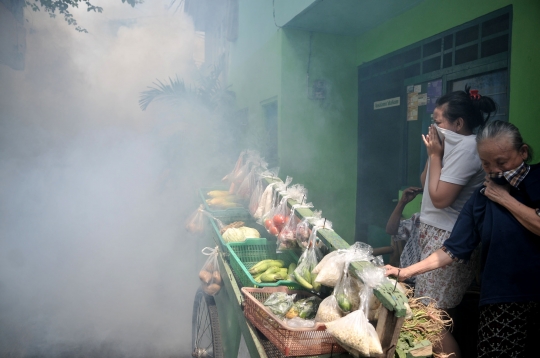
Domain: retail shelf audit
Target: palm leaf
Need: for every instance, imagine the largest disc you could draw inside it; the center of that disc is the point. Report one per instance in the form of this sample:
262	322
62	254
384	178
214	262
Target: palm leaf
173	91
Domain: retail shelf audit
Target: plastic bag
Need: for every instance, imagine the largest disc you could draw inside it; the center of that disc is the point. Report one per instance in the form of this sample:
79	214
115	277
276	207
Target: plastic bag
209	275
298	322
303	230
346	296
372	277
305	308
270	199
306	264
255	198
330	269
249	183
328	310
286	236
279	303
260	196
355	334
195	222
275	220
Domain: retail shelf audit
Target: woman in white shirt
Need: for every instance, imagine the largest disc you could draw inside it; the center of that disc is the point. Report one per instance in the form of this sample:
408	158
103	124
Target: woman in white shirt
452	172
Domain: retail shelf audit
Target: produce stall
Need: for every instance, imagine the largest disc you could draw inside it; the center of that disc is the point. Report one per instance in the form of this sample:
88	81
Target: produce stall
261	293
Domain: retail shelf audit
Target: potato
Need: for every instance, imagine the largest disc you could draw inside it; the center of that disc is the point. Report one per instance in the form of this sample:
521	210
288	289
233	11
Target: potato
216	278
211	289
205	276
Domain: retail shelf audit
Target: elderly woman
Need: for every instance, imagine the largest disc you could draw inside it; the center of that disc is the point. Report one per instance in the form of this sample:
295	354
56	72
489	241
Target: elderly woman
504	217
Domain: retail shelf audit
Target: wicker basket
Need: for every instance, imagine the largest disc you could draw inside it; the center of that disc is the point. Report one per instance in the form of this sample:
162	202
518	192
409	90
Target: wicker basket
290	341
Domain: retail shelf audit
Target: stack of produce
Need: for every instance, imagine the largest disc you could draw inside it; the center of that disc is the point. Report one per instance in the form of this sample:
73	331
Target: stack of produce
222	199
270	271
240	234
426	323
298	313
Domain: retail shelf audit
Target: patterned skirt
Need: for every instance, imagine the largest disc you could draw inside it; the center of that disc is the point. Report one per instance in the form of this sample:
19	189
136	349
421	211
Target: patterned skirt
448	284
509	330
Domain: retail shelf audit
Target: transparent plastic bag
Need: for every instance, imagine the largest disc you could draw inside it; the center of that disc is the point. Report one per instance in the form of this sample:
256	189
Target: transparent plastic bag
248	184
298	322
346	297
330	269
255	198
195	223
210	275
287	237
372	277
303	229
275	220
307	262
262	193
239	163
356	334
305	308
270	199
328	310
279	303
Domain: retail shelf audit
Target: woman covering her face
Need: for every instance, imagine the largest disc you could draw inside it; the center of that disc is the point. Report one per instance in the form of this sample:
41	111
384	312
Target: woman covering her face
503	215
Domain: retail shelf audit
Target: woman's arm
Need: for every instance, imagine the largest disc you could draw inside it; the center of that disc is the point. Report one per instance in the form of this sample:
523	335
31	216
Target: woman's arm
424	174
442	193
434	261
524	214
408	195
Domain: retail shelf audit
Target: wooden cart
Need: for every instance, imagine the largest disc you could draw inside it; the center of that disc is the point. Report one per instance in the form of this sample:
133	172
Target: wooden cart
220	329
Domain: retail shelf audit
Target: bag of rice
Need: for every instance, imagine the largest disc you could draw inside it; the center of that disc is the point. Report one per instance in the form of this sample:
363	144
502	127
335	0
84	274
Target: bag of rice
328	310
356	334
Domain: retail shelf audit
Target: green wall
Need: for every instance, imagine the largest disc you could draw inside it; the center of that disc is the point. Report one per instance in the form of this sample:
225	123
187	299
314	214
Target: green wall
318	139
317	144
435	16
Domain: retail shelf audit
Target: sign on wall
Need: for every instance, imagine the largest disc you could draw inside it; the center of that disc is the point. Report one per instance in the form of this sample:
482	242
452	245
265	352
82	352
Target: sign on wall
385	103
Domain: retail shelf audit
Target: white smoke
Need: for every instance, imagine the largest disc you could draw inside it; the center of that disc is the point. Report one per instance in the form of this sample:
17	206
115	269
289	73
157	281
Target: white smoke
93	191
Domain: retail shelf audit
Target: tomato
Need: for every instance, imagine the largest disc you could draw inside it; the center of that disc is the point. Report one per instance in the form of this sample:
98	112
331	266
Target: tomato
279	220
273	230
268	223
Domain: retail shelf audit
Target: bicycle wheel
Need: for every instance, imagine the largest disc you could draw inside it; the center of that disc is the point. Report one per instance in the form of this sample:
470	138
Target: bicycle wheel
206	336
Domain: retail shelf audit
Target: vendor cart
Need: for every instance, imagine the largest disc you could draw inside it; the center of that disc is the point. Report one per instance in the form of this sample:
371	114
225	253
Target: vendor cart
220	328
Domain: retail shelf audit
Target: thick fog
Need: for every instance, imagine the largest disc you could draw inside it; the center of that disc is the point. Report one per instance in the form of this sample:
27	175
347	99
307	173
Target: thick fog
95	260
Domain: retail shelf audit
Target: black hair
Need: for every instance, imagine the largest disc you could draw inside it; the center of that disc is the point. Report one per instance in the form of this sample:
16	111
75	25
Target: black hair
475	111
496	129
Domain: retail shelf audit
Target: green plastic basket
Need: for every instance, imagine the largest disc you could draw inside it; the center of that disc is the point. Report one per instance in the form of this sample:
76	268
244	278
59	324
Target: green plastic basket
243	255
234	214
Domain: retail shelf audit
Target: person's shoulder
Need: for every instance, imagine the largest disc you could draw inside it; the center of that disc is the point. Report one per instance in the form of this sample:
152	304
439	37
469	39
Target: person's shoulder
533	177
468	144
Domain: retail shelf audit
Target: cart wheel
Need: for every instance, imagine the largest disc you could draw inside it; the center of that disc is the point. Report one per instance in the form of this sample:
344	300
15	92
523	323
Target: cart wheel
206	336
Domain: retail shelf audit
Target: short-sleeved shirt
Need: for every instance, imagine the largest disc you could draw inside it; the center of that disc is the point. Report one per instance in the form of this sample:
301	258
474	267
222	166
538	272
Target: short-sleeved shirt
462	166
510	254
408	230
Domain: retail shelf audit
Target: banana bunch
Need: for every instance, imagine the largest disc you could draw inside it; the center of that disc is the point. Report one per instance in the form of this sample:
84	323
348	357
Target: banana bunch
306	278
269	271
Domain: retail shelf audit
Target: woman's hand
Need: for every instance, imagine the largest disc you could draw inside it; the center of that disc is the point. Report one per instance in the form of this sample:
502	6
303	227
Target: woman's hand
434	145
395	272
409	194
495	192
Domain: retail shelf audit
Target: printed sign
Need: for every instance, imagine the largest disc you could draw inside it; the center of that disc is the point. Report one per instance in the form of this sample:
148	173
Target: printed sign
385	103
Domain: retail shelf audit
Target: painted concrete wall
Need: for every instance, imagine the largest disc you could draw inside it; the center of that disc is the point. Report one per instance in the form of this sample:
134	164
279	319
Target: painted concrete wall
317	140
317	144
435	16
